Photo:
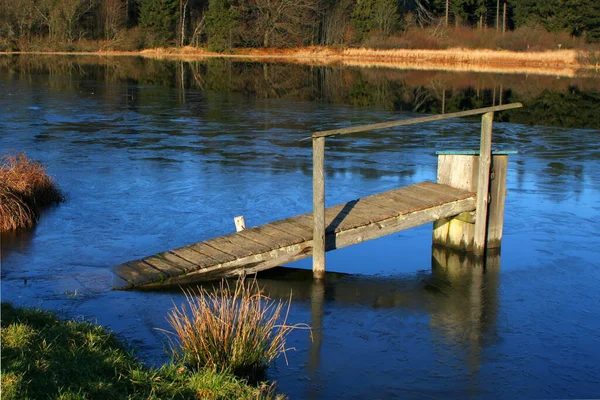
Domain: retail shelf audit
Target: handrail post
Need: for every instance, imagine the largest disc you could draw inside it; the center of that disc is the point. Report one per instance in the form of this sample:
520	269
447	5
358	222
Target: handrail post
318	207
483	184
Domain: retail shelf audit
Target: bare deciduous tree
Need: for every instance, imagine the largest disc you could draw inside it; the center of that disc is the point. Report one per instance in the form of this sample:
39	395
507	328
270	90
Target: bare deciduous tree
385	15
334	22
283	22
114	17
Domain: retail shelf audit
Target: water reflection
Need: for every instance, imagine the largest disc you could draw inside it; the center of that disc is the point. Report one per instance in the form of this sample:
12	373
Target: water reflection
465	308
548	100
459	294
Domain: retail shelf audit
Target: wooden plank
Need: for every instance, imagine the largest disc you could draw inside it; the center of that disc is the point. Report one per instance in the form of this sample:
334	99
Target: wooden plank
479	241
319	208
213	253
236	245
446	190
412	203
245	265
262	238
299	230
427	196
279	232
198	259
178	261
344	216
137	273
397	200
280	237
412	121
163	265
383	209
302	221
373	209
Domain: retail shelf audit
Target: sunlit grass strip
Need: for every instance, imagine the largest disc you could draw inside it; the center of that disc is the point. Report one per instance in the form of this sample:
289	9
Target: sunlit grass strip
237	330
25	187
554	58
47	358
460	67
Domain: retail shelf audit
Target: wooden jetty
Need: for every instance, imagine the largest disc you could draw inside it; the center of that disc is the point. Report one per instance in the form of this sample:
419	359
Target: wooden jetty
460	203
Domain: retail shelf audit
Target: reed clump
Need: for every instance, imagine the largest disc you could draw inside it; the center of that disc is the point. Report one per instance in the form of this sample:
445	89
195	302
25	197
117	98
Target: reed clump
25	188
237	330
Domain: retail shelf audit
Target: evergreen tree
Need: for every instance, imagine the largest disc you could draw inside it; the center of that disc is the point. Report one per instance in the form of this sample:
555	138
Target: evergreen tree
582	18
221	21
538	12
158	19
375	14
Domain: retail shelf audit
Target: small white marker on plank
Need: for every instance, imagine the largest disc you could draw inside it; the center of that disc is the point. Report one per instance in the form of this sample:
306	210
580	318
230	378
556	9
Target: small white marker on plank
240	223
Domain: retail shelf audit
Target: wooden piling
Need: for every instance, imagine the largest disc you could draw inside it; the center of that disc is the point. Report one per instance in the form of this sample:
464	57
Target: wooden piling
483	182
497	200
319	207
460	169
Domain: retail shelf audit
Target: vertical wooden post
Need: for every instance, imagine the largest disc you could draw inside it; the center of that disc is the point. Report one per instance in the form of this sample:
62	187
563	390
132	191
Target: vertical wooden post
497	200
319	207
483	182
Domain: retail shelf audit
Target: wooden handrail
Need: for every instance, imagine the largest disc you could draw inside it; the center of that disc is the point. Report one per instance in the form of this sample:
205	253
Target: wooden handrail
412	121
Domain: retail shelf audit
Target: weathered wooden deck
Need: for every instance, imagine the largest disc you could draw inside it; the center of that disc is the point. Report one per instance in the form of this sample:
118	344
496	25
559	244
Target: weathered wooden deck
291	239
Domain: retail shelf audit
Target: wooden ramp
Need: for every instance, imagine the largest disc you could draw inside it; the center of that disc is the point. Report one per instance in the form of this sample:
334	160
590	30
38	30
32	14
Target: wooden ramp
284	241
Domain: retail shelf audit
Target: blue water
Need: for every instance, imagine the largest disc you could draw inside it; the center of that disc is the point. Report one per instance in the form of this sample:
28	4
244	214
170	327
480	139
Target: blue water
161	169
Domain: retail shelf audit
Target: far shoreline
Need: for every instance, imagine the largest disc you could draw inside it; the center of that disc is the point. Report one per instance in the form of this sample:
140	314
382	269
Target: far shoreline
552	62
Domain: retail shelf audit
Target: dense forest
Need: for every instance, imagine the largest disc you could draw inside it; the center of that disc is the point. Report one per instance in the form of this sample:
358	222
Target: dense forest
224	24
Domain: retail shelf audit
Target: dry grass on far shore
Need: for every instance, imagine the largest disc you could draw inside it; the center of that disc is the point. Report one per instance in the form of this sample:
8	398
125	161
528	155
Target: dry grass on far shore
25	188
555	58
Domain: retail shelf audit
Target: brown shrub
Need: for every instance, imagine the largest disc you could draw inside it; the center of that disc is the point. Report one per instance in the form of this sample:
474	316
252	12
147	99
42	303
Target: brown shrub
238	330
25	187
14	212
526	38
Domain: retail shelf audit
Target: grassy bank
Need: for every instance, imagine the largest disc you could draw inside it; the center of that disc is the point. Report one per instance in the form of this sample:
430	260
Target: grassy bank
47	358
25	188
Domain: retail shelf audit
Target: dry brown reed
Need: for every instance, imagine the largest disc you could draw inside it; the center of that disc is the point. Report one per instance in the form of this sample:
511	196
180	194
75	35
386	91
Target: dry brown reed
25	187
237	330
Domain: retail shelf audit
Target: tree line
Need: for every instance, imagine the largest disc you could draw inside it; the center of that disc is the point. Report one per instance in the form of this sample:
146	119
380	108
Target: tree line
224	24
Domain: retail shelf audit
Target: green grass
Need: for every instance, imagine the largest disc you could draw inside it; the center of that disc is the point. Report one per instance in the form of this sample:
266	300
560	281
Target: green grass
47	358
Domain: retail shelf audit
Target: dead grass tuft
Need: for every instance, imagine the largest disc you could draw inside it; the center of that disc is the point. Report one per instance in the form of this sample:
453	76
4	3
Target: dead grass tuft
25	188
237	330
14	212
